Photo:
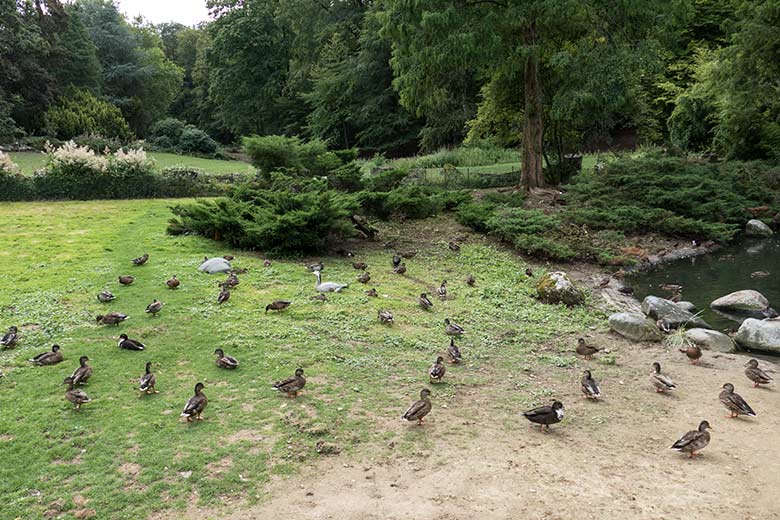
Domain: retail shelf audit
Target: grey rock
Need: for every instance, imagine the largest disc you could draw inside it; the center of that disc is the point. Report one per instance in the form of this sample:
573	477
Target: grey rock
557	287
658	308
756	228
759	335
711	340
686	306
741	301
634	326
215	265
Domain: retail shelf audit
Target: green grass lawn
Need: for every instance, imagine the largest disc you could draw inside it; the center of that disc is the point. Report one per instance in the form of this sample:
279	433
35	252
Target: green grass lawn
128	456
31	161
588	162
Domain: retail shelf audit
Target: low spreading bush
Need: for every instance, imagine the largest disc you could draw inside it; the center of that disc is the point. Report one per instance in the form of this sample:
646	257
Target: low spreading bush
171	134
412	201
79	112
271	153
195	141
384	179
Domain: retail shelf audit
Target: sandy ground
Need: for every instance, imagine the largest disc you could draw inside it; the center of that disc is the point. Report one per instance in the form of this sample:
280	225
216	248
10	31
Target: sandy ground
607	459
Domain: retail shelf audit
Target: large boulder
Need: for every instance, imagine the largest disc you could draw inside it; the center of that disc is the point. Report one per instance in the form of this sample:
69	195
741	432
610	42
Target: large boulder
215	265
557	287
635	326
759	335
747	301
661	308
686	306
711	340
756	228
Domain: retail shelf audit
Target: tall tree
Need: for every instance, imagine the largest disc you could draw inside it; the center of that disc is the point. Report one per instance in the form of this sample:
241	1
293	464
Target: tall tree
510	38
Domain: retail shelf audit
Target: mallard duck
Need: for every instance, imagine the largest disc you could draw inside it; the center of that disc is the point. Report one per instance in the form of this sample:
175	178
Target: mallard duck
529	272
401	269
231	281
664	325
319	266
141	260
453	246
224	295
76	396
759	274
51	357
437	370
266	263
225	361
470	280
661	381
755	374
327	286
409	254
238	270
672	287
364	278
130	344
229	258
420	408
147	381
626	289
442	290
292	385
454	352
277	305
396	260
693	352
734	402
361	266
154	307
112	318
321	297
545	415
195	404
694	440
452	329
585	350
126	280
173	282
424	302
385	317
605	281
105	296
10	338
82	373
589	386
371	292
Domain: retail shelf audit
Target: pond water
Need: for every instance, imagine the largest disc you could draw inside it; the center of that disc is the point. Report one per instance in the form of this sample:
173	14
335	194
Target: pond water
706	278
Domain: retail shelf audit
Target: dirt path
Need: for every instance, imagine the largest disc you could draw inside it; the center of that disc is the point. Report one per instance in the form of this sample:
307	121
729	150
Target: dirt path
608	459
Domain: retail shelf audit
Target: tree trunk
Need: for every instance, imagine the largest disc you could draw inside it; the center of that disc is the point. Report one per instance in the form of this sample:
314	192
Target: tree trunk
532	175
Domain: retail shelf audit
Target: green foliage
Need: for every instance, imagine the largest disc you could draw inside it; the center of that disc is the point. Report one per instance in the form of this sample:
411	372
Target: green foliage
173	134
290	216
79	113
346	177
196	141
13	185
476	153
385	179
276	152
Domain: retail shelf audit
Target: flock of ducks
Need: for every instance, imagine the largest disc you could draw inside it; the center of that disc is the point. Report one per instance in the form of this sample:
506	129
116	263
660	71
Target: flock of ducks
690	443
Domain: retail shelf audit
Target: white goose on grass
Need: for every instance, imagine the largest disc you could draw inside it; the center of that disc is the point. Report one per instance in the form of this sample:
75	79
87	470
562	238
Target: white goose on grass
328	286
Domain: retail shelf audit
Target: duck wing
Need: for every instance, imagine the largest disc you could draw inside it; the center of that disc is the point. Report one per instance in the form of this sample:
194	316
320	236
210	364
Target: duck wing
417	410
742	405
81	374
146	381
539	414
757	375
195	404
663	381
591	387
291	384
694	440
437	371
131	344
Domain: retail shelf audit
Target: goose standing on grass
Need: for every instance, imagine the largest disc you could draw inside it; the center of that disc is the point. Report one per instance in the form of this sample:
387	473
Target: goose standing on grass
419	408
590	387
82	373
277	305
141	260
154	307
225	361
424	301
385	317
693	352
454	352
292	385
544	416
452	329
75	395
324	287
661	381
755	374
734	402
126	280
442	290
51	357
112	318
437	370
195	404
10	338
105	296
585	350
173	282
694	440
224	295
147	381
130	344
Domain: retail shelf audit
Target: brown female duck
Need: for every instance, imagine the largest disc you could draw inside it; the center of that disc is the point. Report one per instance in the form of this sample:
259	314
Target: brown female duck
693	352
734	402
437	370
50	357
277	305
589	386
173	282
10	338
453	352
292	385
419	408
75	395
424	301
755	374
585	350
225	361
154	307
195	404
141	260
82	373
126	280
147	381
694	440
112	318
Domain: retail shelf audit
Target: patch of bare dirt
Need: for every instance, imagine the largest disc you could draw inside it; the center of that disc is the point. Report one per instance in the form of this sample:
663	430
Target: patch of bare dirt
217	468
